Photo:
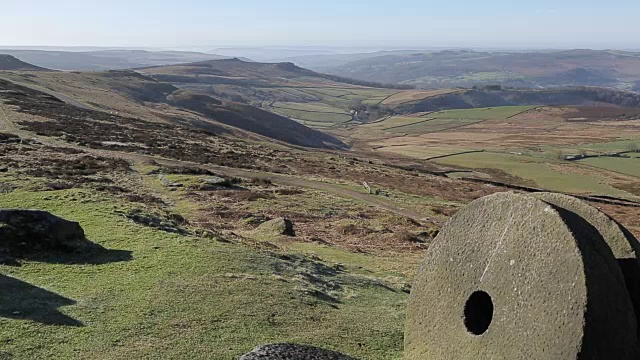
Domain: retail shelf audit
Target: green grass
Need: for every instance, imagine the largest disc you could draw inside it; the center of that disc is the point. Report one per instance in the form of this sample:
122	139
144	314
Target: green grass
621	165
317	107
321	117
534	169
186	297
614	146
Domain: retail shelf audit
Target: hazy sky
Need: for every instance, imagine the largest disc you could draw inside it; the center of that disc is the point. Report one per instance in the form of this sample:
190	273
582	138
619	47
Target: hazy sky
399	23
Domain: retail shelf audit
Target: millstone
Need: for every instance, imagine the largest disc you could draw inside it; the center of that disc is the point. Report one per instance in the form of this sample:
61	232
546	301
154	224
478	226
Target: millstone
293	352
623	244
513	277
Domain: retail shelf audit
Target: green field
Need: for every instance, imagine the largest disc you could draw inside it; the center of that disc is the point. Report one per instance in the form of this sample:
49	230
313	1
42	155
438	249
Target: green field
326	106
311	107
533	169
187	297
446	119
614	146
621	165
313	117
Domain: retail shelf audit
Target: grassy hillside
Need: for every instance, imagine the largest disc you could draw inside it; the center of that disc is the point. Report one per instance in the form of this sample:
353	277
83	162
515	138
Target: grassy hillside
131	93
485	98
8	62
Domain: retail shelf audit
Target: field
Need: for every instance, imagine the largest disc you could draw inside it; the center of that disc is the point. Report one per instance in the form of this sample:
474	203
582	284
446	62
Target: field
534	170
395	121
409	96
621	165
445	120
421	152
432	125
522	145
493	113
316	113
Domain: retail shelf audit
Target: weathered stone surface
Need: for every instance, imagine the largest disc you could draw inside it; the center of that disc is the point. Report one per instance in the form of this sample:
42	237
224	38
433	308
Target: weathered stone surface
513	277
623	244
24	232
293	352
279	226
217	181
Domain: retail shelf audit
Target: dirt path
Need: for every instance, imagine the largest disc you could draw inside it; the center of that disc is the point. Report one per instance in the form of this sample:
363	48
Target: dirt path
5	123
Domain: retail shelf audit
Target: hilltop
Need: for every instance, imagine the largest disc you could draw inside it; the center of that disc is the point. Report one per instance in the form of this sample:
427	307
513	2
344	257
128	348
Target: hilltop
8	62
101	60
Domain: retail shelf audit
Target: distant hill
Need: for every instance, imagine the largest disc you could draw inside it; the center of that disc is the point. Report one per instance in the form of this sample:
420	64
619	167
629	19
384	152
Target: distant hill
8	62
445	69
247	73
106	59
233	68
483	98
255	120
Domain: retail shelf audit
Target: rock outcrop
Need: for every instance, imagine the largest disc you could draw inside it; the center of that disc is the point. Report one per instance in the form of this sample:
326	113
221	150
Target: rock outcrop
293	352
30	232
279	226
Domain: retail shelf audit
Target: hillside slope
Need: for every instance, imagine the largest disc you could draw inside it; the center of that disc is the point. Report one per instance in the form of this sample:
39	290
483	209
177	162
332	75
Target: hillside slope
128	93
8	62
482	98
255	120
469	68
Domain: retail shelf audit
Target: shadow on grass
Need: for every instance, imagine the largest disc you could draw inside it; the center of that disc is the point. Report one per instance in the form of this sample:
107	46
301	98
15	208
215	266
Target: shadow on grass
98	257
21	300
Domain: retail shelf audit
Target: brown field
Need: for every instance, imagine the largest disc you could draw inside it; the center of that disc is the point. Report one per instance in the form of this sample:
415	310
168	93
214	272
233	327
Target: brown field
414	95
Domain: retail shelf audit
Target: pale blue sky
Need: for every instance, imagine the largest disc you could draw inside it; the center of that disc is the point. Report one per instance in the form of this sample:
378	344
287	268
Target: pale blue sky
400	23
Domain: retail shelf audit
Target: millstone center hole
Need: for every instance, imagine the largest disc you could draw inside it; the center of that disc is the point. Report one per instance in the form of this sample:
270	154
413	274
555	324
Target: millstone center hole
478	313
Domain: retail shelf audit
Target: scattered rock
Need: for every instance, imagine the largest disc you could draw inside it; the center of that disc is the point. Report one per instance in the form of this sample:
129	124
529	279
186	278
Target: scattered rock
172	224
217	181
169	184
279	226
6	188
255	219
24	232
286	351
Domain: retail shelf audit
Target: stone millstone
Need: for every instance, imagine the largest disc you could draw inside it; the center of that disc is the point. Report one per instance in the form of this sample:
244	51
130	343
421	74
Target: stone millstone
623	244
512	277
293	352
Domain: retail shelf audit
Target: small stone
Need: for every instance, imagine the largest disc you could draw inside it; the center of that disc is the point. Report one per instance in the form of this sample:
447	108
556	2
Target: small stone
279	226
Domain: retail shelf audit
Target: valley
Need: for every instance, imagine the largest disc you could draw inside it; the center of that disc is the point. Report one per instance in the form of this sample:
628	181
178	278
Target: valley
179	171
